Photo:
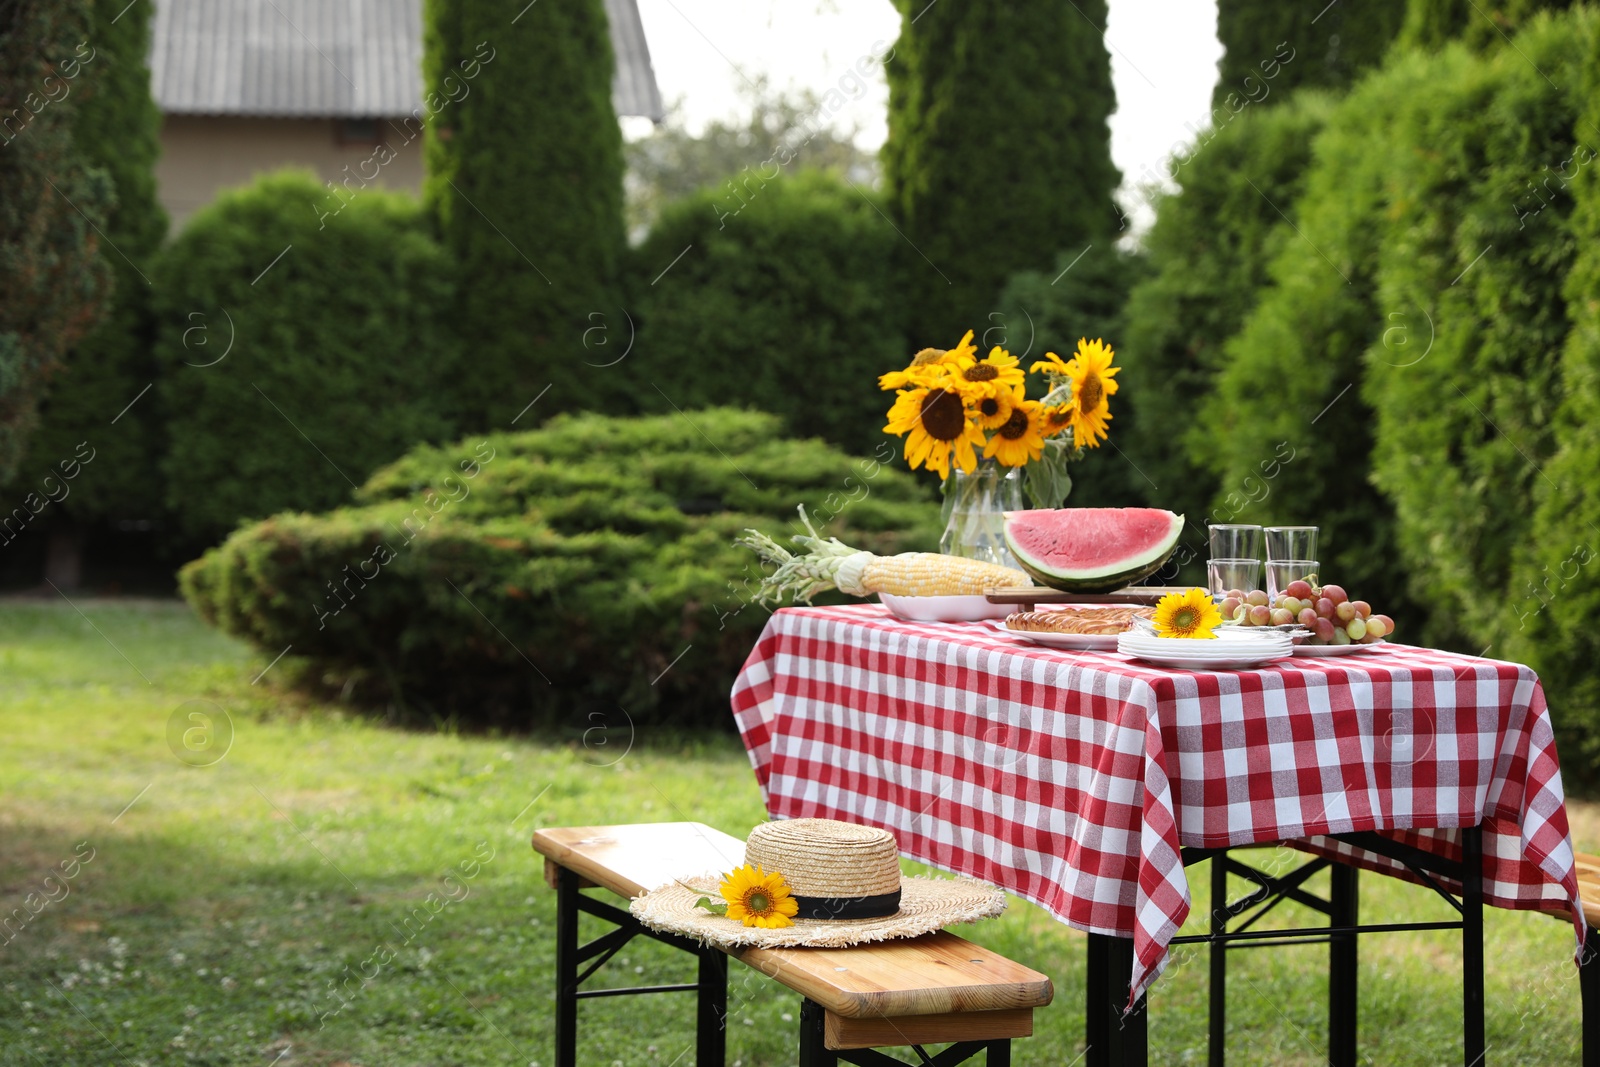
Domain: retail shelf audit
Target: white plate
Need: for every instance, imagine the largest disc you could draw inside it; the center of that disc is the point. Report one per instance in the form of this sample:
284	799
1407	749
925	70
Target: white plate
945	608
1335	650
1068	642
1222	653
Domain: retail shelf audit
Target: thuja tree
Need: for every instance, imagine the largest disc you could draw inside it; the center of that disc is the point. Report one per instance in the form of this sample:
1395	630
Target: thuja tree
999	155
117	129
1276	46
53	280
1480	24
524	181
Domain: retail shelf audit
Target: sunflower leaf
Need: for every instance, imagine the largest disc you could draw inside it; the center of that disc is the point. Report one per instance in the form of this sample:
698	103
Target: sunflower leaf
715	909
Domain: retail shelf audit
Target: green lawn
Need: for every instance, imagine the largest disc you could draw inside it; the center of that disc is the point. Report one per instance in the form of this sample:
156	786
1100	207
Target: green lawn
220	910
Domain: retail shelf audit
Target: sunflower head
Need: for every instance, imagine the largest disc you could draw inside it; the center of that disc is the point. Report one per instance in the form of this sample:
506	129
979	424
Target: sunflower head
937	425
1093	385
1058	418
1021	437
757	898
992	411
1187	614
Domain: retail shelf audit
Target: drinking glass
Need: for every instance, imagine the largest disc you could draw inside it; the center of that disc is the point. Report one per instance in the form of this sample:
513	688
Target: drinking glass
1280	572
1235	542
1226	574
1291	542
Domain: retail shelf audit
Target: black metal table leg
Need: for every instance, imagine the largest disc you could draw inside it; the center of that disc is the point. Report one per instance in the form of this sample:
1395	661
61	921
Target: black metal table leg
566	968
1217	1036
1589	990
1472	945
1115	1039
813	1048
999	1054
1342	977
711	1017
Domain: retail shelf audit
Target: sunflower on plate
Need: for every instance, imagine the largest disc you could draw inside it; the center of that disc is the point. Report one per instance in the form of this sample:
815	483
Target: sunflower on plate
1190	614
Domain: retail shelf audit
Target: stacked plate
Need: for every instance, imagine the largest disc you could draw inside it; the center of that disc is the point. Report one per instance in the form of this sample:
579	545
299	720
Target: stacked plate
1225	652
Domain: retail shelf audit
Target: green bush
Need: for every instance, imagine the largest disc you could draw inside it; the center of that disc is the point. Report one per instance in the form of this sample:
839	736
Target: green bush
565	571
1472	263
1287	431
999	155
524	181
1554	593
118	129
1208	253
1328	45
1084	296
1480	24
53	277
781	305
300	350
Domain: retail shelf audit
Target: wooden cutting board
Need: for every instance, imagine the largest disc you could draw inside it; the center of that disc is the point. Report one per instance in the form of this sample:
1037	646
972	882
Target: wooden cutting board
1025	597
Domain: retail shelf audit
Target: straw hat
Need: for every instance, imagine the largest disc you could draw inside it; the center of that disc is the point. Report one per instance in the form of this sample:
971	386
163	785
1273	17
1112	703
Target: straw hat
846	881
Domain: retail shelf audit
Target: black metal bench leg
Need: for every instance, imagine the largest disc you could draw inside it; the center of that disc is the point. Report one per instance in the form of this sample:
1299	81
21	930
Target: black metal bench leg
1472	946
813	1048
566	968
1219	962
1115	1040
1344	910
999	1054
1589	990
711	1034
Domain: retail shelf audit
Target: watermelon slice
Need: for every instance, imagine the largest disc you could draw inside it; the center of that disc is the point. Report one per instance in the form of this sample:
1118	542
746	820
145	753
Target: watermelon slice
1092	550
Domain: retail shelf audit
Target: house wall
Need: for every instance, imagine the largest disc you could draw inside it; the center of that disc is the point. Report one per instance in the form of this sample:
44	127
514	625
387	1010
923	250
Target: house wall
203	154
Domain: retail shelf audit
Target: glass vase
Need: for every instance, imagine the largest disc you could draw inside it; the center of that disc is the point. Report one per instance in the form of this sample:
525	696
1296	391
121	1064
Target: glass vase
974	512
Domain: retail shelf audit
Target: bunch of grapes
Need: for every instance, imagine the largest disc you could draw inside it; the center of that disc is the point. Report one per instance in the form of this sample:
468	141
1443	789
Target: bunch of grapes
1327	611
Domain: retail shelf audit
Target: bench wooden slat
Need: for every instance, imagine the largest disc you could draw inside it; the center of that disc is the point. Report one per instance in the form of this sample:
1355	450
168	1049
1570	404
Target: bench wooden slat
1589	886
929	975
840	1032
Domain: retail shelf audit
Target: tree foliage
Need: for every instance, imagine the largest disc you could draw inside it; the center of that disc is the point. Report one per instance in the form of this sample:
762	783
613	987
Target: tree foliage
52	210
117	128
298	354
999	154
583	569
1331	44
524	181
1480	24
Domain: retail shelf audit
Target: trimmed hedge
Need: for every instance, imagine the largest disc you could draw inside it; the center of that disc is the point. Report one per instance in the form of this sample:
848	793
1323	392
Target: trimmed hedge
524	160
559	573
999	152
342	354
118	128
782	304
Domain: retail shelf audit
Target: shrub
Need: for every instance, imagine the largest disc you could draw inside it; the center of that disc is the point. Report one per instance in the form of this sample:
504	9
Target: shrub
1208	253
524	181
1480	24
1331	45
55	282
299	352
782	305
1286	431
117	127
999	154
1472	261
559	572
1084	296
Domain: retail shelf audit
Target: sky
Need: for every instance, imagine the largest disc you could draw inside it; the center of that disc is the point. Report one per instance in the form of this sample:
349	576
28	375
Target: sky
1163	62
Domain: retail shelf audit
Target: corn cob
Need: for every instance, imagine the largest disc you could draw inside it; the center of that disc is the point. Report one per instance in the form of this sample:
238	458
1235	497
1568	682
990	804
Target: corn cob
830	564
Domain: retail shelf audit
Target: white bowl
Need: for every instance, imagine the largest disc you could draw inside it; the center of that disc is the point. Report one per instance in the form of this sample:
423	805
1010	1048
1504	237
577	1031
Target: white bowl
945	608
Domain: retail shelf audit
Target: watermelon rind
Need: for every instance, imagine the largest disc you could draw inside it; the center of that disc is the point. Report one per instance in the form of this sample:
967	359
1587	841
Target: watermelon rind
1131	570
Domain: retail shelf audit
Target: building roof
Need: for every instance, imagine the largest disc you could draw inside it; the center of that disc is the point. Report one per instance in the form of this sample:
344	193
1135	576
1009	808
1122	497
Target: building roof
331	58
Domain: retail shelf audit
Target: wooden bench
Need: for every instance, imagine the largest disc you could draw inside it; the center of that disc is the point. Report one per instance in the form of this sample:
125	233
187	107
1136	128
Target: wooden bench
912	992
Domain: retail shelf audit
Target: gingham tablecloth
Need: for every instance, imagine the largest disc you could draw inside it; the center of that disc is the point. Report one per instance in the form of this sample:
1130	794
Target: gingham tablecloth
1072	778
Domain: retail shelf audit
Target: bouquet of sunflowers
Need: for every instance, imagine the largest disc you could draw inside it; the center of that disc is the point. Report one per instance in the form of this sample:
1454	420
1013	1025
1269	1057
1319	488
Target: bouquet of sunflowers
953	406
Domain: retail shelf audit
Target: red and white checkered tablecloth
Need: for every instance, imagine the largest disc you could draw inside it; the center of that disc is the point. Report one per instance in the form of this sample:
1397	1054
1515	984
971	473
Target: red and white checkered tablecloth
1073	778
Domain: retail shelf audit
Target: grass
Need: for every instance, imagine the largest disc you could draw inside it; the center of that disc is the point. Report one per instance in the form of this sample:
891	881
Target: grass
221	905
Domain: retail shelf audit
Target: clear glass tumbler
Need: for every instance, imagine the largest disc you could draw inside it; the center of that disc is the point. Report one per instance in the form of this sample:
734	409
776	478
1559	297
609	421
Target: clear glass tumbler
1280	572
1235	542
1291	542
1227	574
